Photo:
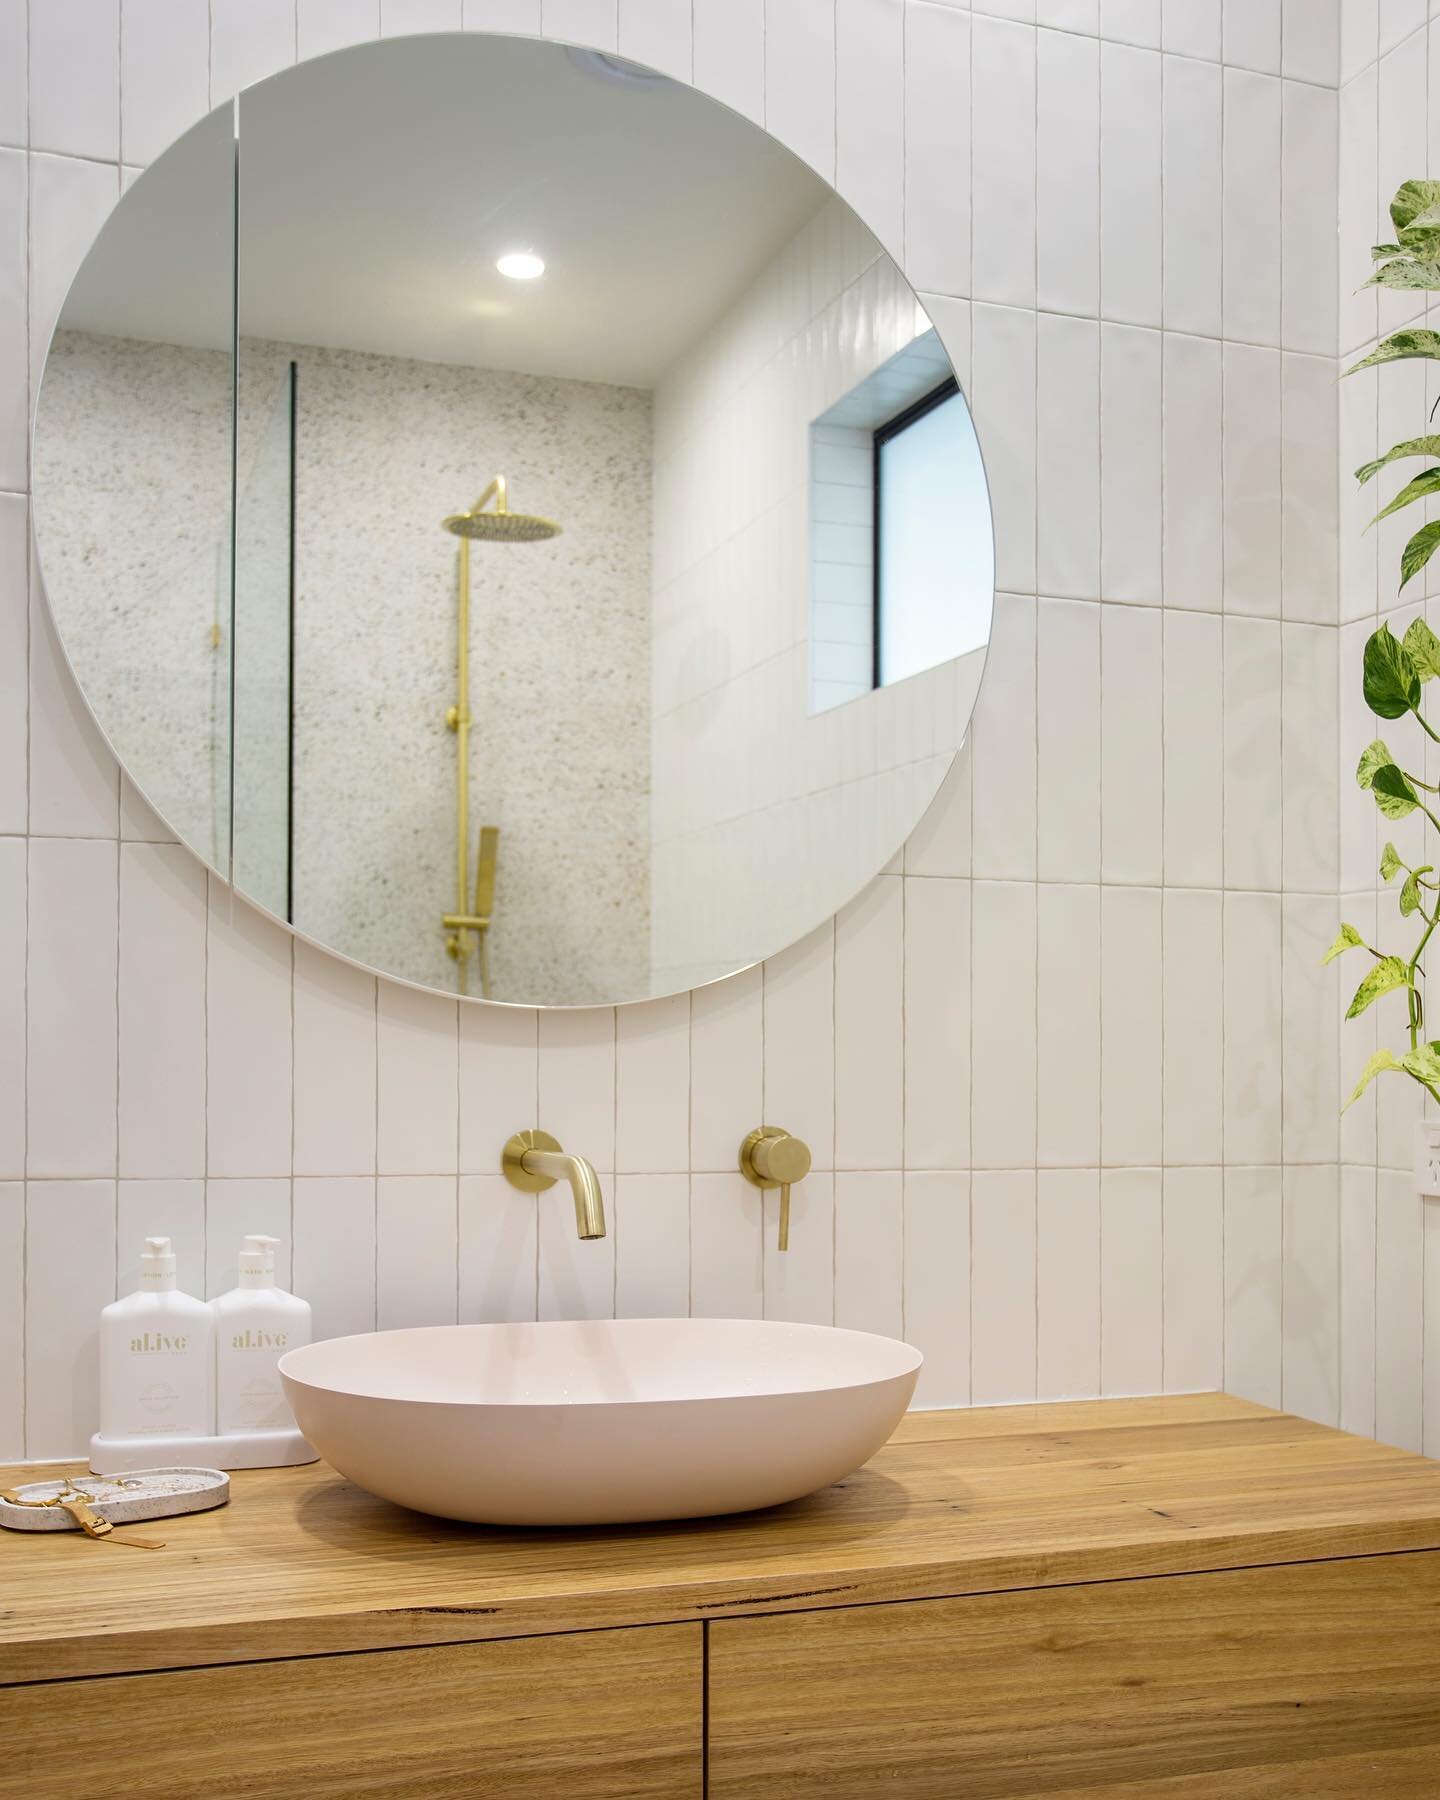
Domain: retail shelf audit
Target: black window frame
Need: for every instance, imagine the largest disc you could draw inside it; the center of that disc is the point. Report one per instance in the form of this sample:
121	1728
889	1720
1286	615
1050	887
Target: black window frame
892	428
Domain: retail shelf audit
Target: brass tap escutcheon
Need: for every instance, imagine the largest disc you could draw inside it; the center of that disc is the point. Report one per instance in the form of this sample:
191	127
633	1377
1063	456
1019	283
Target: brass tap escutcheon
771	1158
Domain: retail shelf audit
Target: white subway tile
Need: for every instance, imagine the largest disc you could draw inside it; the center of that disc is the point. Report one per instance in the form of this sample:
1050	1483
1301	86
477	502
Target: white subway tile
1191	28
940	843
70	199
726	1068
1131	1108
1401	150
1252	481
1360	216
651	1223
1251	208
75	78
1253	1058
1131	740
234	1209
1193	474
417	1082
521	17
164	76
1067	197
1003	747
937	1283
799	1283
1068	1047
1357	1300
499	1075
14	71
333	1257
400	18
1069	15
1253	796
1194	1027
14	511
161	1000
1003	398
1309	275
656	34
1359	36
334	1065
1194	773
416	1251
12	1320
937	1023
139	822
1003	202
248	1040
1359	848
1131	22
869	1028
1193	112
581	21
1067	474
1132	1332
652	1085
249	39
74	780
1358	1042
799	1061
173	1209
1130	173
1022	10
726	1249
325	25
1068	740
1310	819
799	79
1194	1280
1252	35
937	143
869	112
1131	408
1398	18
1067	1286
499	1250
577	1276
1002	1286
869	1253
12	1005
730	53
1308	474
69	1276
1311	1310
1254	1271
577	1082
70	1001
1399	1305
1002	1010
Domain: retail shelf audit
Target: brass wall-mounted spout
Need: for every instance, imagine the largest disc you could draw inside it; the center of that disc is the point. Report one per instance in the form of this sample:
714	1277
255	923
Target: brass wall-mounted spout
533	1161
772	1158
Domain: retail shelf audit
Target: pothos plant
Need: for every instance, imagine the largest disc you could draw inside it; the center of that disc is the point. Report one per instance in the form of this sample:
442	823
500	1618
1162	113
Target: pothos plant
1397	669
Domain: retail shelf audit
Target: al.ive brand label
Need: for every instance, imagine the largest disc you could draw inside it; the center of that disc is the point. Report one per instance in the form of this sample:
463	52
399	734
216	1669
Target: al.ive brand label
158	1343
258	1340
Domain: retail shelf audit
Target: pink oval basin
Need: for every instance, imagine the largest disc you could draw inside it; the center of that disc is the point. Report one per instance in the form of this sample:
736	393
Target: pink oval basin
592	1422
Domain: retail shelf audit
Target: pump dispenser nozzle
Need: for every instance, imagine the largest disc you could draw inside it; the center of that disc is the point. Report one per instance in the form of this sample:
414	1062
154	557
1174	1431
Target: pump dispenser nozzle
157	1263
257	1257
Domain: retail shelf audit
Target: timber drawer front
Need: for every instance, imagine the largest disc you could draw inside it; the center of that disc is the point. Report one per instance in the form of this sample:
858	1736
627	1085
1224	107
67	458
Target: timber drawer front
1189	1596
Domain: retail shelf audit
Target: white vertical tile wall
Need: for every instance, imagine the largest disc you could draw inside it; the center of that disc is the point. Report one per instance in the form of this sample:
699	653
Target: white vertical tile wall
1087	1004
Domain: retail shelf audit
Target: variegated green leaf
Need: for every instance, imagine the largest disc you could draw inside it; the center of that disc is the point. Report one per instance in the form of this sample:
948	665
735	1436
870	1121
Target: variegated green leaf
1406	273
1424	648
1421	446
1348	938
1415	555
1372	757
1420	487
1378	1063
1399	346
1392	686
1423	1064
1390	863
1389	973
1393	793
1409	897
1378	252
1412	200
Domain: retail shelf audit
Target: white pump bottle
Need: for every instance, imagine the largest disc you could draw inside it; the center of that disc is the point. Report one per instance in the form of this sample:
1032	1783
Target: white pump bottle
256	1322
157	1356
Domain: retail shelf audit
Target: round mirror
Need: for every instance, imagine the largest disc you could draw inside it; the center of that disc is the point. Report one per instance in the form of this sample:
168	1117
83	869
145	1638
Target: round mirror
513	520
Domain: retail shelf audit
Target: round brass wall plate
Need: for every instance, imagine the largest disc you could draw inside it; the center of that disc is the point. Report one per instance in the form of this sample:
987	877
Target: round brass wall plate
511	1160
785	1161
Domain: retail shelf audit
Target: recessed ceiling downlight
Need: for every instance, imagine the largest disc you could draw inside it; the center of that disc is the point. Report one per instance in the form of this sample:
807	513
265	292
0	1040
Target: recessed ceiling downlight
521	265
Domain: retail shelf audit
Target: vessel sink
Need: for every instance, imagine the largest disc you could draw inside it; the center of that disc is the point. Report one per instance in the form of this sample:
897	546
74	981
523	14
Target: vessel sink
594	1422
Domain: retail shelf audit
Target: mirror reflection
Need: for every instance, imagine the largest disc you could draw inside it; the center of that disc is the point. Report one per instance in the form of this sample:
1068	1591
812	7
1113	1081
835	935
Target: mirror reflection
611	571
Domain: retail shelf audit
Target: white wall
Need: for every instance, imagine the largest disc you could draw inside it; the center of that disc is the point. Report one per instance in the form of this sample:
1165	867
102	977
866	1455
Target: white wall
1041	1060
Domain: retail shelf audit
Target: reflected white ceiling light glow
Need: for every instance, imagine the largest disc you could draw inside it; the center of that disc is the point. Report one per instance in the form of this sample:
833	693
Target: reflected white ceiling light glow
521	265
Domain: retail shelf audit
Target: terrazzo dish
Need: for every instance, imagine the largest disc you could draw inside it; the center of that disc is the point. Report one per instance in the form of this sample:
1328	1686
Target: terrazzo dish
599	1421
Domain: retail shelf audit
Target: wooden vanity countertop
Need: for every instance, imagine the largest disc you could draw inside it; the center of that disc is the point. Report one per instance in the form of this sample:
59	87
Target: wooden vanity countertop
303	1563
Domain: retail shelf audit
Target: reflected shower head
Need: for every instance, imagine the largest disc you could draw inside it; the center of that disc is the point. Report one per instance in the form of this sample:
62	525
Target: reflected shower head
501	526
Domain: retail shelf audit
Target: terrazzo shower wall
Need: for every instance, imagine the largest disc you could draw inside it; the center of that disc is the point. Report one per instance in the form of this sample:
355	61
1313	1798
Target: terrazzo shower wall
1069	1067
747	781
